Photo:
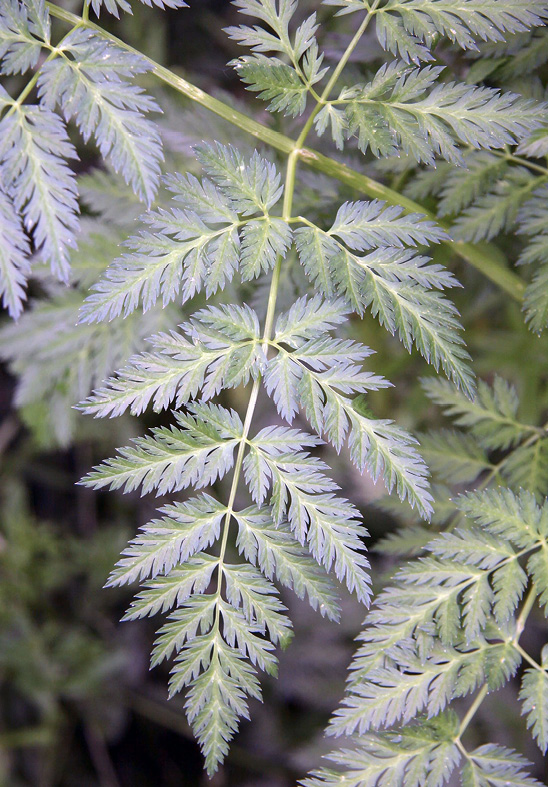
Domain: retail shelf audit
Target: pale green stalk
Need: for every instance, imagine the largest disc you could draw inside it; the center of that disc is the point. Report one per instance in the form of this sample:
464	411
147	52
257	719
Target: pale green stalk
472	712
289	191
520	625
523	162
321	101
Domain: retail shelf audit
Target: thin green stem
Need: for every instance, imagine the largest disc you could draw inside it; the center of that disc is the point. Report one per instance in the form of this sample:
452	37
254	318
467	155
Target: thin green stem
55	51
489	262
529	659
234	486
349	50
520	625
31	84
473	710
521	161
539	431
321	100
289	190
524	613
301	74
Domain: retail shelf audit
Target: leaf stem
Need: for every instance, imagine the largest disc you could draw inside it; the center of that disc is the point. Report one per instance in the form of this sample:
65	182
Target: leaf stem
529	658
472	710
484	259
539	431
31	84
348	52
522	161
524	614
320	102
289	190
520	625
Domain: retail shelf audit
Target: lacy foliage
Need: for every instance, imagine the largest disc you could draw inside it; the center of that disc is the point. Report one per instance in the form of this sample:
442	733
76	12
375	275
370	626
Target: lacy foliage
451	620
266	511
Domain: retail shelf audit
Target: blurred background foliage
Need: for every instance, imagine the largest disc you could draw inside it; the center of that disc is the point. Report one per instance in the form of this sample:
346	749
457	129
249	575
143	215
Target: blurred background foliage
78	705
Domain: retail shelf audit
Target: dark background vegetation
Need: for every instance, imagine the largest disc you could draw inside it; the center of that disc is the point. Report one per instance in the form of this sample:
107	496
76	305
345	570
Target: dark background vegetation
78	705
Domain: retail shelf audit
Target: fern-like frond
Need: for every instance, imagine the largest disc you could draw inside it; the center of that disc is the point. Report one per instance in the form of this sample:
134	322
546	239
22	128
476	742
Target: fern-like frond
497	210
274	81
518	56
23	26
300	48
285	87
532	220
527	468
432	635
165	591
263	241
536	298
491	416
307	318
499	588
218	349
57	361
534	696
399	693
424	754
395	112
466	23
256	595
185	528
212	637
198	453
115	6
516	518
536	144
191	248
522	521
109	198
408	542
304	496
397	285
468	576
277	553
321	376
491	765
90	84
217	697
252	186
454	456
410	28
462	187
277	15
448	623
14	253
368	225
34	147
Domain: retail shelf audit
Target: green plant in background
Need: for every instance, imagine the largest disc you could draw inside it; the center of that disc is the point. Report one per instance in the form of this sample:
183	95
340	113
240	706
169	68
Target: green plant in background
67	673
452	621
236	232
